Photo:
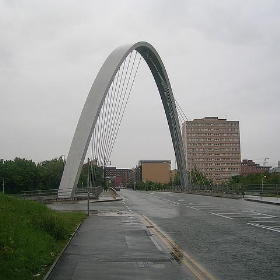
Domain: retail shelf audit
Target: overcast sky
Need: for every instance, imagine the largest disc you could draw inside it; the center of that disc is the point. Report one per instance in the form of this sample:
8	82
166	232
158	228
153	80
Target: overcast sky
222	58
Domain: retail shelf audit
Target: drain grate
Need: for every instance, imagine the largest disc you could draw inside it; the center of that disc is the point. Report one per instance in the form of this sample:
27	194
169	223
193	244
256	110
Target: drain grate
150	226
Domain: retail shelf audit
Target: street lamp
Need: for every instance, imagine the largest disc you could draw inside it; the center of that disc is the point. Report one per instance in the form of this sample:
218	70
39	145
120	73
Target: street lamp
262	183
3	181
63	160
104	173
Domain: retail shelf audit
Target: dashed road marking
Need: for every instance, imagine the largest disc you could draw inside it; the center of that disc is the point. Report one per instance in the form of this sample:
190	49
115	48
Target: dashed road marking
217	214
261	218
275	222
271	228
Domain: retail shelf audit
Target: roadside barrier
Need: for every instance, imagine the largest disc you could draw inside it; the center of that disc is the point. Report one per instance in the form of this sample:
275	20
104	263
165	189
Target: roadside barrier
51	195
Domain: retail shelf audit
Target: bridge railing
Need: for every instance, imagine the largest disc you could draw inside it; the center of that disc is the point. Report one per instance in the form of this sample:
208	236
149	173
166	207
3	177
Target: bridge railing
214	190
268	190
263	190
57	195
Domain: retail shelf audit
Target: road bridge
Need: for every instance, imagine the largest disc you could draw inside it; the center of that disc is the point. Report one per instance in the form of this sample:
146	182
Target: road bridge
103	111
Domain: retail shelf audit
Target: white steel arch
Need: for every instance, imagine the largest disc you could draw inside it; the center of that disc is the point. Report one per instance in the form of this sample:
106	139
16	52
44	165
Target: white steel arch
94	104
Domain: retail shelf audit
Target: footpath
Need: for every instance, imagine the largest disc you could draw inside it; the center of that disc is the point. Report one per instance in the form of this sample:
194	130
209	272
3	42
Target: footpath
113	245
263	199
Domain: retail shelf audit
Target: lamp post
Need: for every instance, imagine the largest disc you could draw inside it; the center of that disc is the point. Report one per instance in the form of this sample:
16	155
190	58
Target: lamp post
63	160
262	183
3	181
104	173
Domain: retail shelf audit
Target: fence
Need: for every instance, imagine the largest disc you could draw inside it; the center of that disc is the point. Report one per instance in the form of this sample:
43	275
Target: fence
52	194
272	190
262	190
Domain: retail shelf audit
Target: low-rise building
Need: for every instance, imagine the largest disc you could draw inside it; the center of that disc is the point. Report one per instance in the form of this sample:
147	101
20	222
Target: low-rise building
157	171
276	169
119	176
248	167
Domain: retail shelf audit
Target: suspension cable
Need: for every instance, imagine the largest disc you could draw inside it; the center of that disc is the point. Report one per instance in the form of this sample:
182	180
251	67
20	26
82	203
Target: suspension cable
112	110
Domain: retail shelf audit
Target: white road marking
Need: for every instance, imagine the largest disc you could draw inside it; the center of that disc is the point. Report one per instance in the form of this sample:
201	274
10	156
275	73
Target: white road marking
217	214
194	208
264	227
229	213
277	222
209	208
264	217
245	214
262	214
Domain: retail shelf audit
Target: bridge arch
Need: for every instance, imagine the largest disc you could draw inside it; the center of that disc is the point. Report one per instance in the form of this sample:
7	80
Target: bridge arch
94	102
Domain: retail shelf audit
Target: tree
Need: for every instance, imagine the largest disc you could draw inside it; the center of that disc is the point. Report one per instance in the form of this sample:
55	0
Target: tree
25	175
19	174
176	180
198	179
50	173
251	180
96	174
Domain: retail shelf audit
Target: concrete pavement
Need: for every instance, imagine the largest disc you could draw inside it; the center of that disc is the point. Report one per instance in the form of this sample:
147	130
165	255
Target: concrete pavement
115	246
260	199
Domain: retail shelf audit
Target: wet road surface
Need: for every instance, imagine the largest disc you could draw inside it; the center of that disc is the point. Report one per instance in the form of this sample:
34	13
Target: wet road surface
232	239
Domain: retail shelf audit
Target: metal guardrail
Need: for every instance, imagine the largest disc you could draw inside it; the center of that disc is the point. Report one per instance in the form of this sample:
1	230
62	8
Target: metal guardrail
207	188
268	190
52	194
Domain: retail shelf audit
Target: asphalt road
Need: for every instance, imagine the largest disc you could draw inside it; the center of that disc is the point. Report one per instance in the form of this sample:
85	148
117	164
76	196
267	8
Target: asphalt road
232	239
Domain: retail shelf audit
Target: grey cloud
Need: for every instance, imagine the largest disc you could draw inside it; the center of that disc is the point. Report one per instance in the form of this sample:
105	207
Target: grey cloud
222	58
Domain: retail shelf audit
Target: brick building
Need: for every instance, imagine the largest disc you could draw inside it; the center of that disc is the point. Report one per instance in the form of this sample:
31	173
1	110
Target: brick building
119	176
248	166
212	145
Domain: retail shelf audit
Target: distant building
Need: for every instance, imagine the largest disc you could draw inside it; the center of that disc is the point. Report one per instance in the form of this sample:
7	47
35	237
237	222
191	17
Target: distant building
157	171
119	177
248	167
212	145
276	169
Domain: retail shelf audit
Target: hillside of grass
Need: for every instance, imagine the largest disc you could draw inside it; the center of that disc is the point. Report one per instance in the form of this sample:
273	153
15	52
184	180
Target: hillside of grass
31	237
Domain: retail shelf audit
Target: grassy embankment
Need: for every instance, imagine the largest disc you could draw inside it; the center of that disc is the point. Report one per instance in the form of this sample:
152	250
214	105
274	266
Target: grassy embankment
31	237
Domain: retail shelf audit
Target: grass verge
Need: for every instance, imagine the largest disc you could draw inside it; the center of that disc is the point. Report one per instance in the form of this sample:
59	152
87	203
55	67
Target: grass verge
31	237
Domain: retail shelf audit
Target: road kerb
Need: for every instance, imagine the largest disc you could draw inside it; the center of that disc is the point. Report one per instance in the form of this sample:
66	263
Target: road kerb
177	252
